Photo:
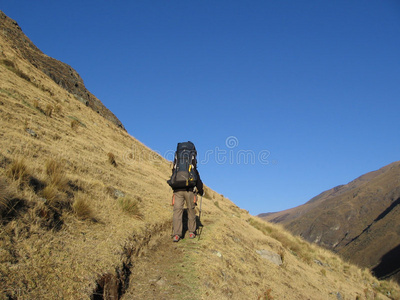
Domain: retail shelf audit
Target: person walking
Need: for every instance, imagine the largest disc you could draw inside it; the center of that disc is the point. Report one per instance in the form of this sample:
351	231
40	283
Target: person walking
186	184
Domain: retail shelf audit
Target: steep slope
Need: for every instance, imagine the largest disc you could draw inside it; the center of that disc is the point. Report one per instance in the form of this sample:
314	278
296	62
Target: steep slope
359	220
59	72
85	214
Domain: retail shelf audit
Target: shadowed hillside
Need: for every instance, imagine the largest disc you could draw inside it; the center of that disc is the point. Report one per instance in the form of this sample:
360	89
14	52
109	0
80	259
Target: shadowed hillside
85	214
359	220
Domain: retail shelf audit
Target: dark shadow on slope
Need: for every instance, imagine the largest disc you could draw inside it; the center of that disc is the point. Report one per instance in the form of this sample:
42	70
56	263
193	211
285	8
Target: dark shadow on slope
388	210
199	225
184	222
380	217
36	184
389	265
13	208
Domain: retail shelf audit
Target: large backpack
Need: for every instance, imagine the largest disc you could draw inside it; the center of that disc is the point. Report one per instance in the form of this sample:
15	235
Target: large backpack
184	173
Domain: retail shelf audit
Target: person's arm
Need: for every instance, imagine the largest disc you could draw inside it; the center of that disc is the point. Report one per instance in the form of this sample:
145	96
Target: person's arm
199	184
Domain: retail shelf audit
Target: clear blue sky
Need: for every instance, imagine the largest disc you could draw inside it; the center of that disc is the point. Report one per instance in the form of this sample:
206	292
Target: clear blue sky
308	92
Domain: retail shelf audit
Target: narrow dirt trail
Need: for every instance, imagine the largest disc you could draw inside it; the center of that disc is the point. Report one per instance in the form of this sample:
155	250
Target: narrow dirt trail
166	271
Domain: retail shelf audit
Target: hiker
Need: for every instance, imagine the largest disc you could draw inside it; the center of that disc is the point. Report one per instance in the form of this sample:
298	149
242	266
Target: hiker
186	184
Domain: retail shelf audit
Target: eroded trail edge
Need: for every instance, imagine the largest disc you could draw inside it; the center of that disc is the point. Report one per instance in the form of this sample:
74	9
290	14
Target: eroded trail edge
153	267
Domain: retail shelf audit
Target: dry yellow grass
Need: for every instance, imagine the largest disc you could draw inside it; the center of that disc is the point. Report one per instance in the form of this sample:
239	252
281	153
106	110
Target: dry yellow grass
74	125
130	206
5	198
56	174
18	170
82	207
111	159
81	221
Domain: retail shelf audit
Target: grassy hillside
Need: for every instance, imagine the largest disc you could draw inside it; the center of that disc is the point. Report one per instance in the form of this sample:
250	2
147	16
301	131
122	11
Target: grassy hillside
85	214
359	220
59	72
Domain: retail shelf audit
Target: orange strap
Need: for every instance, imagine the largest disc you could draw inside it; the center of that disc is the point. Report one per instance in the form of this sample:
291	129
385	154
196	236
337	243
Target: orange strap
173	199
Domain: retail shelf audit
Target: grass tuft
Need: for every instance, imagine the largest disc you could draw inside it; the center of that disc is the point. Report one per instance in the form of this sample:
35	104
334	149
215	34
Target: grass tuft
36	104
18	170
56	174
50	193
52	167
23	75
5	197
130	206
75	125
111	159
58	109
48	110
81	208
8	63
12	67
266	295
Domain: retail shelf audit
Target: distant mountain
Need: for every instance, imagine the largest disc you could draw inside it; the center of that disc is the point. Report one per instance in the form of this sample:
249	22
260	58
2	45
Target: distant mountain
61	73
359	220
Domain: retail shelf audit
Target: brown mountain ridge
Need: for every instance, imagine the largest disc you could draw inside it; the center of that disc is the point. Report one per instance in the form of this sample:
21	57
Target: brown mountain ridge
61	73
359	220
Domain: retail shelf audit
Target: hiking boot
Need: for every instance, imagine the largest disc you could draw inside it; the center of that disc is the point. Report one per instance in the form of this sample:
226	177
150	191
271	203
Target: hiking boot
192	235
176	238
